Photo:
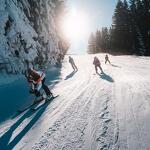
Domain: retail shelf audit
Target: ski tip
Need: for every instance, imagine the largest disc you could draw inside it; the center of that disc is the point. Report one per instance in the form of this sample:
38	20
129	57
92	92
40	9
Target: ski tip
55	96
51	98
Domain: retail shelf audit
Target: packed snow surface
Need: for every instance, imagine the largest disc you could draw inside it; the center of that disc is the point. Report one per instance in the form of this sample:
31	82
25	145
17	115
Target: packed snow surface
107	111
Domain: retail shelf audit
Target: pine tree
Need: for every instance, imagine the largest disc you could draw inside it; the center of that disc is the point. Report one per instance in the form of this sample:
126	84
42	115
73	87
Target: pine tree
121	28
130	31
138	38
105	39
98	39
146	25
127	45
92	44
60	15
111	39
117	25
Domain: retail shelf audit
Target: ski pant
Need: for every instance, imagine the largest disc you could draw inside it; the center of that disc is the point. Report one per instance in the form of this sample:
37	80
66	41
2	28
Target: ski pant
98	66
74	66
45	88
107	60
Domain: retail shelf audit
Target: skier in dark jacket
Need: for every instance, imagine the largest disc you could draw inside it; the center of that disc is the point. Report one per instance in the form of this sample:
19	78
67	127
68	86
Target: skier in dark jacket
97	64
36	80
107	59
71	61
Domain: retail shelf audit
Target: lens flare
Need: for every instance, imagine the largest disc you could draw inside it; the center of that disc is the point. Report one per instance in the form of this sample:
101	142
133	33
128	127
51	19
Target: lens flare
75	25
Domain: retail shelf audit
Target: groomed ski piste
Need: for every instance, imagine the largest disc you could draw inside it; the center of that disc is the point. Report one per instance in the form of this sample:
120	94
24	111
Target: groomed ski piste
109	111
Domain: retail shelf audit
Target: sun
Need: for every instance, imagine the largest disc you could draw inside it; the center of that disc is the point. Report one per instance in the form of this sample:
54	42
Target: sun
75	25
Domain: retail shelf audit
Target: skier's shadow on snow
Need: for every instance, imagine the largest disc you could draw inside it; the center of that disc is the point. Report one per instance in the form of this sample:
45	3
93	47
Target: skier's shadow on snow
106	77
5	143
71	75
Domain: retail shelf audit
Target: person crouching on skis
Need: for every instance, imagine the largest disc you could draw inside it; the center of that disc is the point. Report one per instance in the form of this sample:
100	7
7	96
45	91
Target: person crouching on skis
37	81
97	64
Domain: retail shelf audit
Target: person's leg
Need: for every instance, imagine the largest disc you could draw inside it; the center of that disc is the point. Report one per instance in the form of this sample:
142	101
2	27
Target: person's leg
72	66
37	90
45	87
75	67
32	87
100	68
37	93
96	68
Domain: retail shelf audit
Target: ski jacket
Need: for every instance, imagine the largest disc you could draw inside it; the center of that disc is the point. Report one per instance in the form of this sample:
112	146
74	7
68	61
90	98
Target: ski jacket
106	57
37	76
71	60
96	62
42	76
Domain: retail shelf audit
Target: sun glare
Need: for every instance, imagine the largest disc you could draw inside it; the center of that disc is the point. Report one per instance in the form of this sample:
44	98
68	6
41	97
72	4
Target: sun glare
75	25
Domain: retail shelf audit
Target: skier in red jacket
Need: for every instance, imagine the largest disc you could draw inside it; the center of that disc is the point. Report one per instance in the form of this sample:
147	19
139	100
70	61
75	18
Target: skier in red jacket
97	64
36	80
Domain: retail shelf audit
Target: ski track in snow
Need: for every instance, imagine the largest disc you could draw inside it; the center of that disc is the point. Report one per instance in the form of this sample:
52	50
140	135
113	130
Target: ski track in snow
92	112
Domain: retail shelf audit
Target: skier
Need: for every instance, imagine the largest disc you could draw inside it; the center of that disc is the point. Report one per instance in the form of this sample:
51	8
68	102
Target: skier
107	59
71	61
36	80
97	64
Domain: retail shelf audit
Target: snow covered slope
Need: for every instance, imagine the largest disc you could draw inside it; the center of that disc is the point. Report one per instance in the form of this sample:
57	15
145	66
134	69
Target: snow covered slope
109	111
29	34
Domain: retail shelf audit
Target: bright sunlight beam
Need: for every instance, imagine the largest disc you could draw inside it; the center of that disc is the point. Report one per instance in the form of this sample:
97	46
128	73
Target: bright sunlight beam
75	25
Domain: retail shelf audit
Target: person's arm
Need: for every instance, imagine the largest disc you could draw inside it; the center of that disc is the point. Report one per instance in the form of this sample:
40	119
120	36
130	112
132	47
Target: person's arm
31	80
94	62
99	61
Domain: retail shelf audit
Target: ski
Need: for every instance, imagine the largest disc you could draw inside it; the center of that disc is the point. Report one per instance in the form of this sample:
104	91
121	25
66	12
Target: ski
36	104
42	102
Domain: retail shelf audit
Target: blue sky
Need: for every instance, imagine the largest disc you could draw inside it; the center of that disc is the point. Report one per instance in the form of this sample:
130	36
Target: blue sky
99	14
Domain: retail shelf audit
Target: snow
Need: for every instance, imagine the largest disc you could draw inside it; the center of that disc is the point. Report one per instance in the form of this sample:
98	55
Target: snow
28	28
109	111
